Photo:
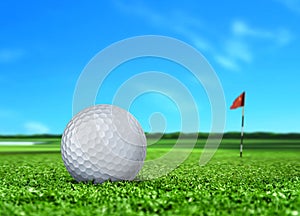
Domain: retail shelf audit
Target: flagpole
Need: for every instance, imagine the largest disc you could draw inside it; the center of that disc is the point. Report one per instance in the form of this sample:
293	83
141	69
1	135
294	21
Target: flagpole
242	132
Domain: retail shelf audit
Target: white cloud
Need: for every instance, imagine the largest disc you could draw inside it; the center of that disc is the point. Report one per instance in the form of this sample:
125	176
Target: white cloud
238	50
293	5
280	36
36	128
228	63
176	21
238	47
240	28
234	53
10	55
284	37
199	42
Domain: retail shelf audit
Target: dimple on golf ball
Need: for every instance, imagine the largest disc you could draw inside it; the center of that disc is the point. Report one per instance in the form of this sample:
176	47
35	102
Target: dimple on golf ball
103	142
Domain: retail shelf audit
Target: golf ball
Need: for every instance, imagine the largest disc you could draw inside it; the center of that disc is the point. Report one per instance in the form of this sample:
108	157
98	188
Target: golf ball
103	142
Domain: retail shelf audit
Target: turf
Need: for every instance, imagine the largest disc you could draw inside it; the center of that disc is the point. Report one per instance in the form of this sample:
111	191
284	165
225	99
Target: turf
53	144
263	182
47	145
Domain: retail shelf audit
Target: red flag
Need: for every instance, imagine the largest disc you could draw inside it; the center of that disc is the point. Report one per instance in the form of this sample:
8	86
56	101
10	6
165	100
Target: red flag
239	102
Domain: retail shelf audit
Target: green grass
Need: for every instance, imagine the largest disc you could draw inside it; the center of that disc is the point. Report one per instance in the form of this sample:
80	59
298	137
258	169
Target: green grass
234	143
48	145
53	144
263	182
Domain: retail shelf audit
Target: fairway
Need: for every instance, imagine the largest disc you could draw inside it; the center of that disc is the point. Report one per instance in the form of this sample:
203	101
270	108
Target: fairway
263	182
51	145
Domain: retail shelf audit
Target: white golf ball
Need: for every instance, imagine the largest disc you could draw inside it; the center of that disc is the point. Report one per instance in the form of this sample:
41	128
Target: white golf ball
103	142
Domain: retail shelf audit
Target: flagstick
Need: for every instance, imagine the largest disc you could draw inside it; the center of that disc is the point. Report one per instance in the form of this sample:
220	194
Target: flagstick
242	132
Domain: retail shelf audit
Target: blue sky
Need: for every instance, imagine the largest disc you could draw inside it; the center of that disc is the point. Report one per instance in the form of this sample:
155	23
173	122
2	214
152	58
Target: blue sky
252	46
